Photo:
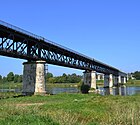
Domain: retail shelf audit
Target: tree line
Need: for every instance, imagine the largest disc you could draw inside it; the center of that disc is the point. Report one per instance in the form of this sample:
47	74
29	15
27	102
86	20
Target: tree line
11	77
70	78
49	77
136	75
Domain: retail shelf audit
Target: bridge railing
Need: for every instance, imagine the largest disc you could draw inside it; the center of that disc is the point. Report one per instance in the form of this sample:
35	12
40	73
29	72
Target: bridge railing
40	38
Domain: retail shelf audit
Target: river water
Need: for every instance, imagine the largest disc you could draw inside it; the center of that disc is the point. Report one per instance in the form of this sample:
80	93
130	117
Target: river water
124	90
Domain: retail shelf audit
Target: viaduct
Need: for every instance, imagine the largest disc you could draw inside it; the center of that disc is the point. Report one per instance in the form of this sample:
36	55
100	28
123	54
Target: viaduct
18	43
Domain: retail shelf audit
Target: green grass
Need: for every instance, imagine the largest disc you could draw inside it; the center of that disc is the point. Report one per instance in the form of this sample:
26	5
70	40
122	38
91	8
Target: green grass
133	83
4	95
62	85
70	109
10	85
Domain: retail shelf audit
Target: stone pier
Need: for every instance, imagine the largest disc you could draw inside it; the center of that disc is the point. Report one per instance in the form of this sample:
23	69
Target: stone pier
90	79
34	78
119	79
115	80
87	78
99	77
106	81
110	80
122	79
93	79
125	79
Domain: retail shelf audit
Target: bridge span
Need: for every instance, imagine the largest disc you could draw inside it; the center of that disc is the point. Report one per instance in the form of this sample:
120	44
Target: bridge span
18	43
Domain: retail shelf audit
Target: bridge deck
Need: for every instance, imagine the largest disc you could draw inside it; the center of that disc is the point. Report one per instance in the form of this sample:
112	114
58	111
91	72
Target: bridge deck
18	43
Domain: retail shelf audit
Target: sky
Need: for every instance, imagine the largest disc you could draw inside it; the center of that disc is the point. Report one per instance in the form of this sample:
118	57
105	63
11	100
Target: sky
106	30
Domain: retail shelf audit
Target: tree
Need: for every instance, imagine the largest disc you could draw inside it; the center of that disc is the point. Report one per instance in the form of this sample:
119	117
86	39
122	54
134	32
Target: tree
51	80
0	78
16	78
48	75
20	79
137	75
10	77
4	79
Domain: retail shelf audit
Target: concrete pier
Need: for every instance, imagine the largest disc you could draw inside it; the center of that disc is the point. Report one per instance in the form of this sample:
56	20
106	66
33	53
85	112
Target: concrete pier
34	78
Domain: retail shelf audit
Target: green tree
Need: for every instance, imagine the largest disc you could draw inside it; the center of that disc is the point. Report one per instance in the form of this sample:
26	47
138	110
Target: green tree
10	77
16	78
20	79
137	75
75	78
0	78
51	80
48	75
4	79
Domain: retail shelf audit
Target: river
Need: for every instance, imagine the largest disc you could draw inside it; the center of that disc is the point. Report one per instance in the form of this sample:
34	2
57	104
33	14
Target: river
124	90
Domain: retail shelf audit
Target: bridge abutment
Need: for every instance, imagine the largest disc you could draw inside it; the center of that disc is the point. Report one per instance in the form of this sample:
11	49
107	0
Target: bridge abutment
34	78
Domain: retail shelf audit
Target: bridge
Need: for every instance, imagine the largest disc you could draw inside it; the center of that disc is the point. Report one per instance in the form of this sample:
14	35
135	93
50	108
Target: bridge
18	43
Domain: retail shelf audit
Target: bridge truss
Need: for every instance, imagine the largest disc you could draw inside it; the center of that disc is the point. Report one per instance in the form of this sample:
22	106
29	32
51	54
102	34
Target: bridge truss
18	43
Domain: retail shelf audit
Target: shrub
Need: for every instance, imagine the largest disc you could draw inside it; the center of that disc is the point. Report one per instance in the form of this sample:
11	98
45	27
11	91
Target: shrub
85	88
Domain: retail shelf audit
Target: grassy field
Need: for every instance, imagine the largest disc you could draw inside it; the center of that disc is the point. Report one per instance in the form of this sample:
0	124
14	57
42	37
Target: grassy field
70	109
133	83
13	85
10	85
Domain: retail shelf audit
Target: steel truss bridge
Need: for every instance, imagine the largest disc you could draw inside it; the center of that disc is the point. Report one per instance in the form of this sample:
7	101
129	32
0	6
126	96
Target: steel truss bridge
18	43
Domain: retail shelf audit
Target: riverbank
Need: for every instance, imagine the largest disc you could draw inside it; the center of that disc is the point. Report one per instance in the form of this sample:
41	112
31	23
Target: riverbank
70	109
10	85
133	83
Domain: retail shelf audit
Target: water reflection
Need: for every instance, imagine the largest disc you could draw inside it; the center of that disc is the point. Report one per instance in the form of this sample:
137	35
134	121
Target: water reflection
56	90
123	90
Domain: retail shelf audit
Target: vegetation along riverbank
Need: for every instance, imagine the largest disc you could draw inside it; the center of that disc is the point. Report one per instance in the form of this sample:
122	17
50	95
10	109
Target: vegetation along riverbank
71	109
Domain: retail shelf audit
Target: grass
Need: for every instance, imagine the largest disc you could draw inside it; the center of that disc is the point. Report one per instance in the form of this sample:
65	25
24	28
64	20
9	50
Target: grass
133	83
62	85
10	85
4	95
71	109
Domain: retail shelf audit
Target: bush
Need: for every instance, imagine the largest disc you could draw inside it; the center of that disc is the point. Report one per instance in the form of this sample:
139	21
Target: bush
85	88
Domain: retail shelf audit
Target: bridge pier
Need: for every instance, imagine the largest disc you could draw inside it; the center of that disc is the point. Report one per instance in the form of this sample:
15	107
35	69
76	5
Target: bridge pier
110	80
93	79
106	81
90	79
125	79
99	77
34	78
115	80
119	79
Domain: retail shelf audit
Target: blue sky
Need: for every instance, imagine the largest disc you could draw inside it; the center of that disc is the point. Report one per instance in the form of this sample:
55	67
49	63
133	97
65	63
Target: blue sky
107	30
